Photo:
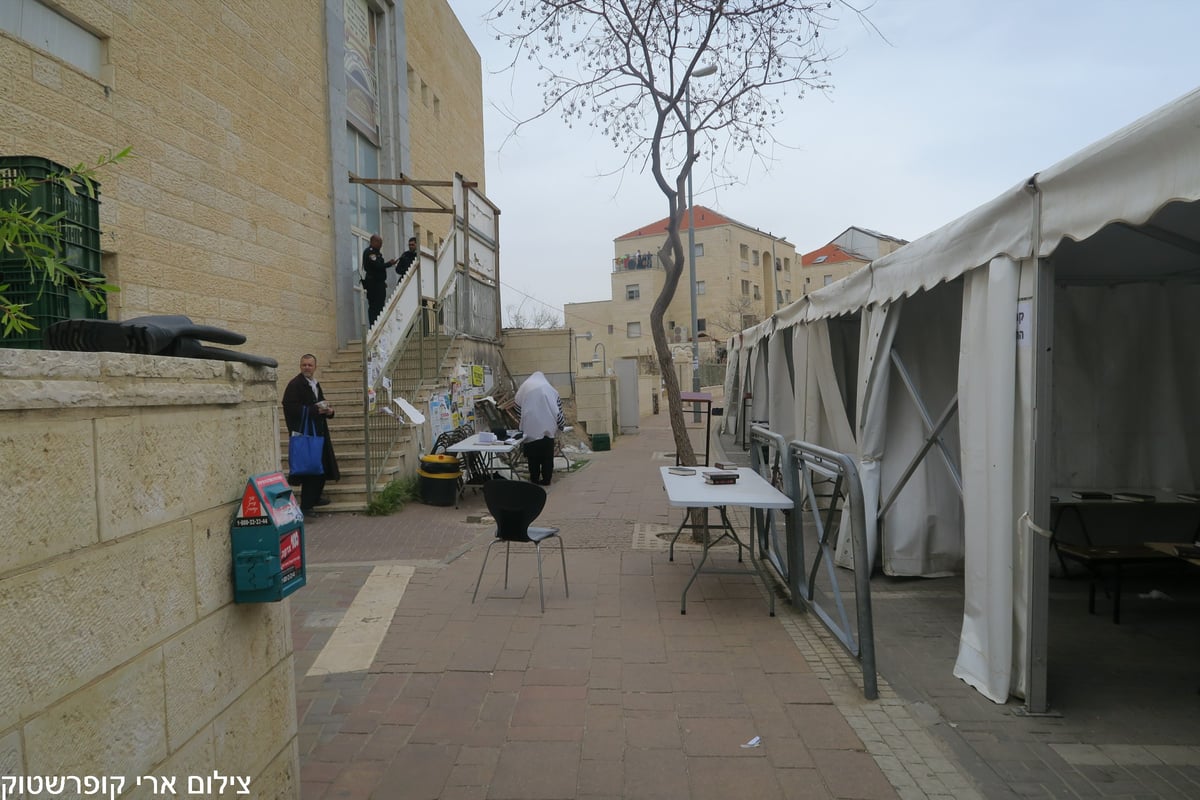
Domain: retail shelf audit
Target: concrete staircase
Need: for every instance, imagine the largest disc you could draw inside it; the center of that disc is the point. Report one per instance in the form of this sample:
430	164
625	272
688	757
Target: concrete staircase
341	379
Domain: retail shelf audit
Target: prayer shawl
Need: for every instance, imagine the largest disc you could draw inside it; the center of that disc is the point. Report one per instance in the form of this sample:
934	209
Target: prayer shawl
540	408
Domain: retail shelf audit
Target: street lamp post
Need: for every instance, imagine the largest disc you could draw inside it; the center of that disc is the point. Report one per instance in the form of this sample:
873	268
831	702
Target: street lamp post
687	115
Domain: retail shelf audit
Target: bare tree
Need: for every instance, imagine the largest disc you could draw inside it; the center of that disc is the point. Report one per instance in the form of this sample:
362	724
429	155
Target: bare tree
537	317
732	316
626	68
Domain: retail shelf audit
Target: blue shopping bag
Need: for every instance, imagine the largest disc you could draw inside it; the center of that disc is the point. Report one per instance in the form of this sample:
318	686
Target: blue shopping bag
305	449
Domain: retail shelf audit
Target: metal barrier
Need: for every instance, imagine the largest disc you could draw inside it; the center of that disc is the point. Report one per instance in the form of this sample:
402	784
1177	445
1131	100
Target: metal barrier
840	500
768	454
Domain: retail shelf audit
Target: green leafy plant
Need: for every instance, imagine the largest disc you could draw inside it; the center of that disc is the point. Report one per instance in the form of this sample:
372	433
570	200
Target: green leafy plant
36	238
394	496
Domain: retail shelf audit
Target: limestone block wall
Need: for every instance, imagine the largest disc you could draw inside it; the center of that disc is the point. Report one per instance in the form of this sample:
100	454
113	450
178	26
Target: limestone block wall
223	213
125	655
547	350
596	405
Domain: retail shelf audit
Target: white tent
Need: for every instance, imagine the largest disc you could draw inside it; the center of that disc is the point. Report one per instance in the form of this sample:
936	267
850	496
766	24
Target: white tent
1050	339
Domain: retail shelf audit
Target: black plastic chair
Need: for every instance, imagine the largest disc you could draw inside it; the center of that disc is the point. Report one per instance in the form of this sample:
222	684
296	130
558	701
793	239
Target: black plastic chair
514	505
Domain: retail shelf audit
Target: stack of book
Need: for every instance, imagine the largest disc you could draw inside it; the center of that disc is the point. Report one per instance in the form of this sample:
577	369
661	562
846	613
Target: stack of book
719	477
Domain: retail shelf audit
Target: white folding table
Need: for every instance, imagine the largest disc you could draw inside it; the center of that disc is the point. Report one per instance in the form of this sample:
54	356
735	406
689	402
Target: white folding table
489	451
750	490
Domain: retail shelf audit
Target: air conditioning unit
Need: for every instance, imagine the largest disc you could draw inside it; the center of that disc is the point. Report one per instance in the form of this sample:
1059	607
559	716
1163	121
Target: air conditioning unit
679	334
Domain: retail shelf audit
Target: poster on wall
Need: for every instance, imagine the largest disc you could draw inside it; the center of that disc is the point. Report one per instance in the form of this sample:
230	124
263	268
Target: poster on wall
439	414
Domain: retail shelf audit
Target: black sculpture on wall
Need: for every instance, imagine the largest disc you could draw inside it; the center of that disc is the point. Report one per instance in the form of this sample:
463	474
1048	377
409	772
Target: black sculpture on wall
165	335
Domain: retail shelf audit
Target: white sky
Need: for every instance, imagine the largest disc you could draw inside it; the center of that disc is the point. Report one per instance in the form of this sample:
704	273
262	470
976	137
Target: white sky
966	99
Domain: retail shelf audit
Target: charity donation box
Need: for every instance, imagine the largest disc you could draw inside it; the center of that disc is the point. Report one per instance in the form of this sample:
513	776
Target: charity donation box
267	536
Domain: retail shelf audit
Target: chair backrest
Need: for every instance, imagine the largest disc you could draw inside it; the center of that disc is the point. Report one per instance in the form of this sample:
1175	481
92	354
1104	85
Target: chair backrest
514	505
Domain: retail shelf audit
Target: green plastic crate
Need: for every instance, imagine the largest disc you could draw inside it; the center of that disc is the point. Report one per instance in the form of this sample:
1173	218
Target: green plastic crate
80	232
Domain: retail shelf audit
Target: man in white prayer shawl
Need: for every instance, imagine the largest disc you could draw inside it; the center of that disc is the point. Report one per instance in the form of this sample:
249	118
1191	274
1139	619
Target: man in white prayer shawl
540	408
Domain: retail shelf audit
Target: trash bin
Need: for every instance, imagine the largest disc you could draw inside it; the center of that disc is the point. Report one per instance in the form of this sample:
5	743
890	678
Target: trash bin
439	475
600	441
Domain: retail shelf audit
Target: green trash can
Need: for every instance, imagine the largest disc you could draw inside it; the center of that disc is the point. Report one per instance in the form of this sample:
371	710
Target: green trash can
438	476
600	441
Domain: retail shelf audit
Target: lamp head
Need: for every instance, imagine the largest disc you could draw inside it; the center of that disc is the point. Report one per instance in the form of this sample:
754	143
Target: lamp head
705	71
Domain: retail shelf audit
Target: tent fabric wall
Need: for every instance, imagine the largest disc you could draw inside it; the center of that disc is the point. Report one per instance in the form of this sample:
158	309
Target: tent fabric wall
1142	430
781	402
922	530
987	404
875	371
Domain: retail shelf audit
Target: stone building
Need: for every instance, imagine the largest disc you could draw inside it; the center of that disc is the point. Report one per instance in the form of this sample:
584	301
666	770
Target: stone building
122	472
851	250
245	121
742	276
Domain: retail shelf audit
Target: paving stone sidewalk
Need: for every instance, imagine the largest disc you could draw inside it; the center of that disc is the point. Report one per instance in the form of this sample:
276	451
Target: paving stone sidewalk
611	692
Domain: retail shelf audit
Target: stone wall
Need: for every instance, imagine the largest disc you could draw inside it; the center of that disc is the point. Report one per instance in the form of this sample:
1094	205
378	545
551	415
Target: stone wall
549	350
596	405
121	474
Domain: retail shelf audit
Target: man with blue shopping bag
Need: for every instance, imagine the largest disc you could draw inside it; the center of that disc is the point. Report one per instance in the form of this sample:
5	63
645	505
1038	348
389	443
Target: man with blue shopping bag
310	462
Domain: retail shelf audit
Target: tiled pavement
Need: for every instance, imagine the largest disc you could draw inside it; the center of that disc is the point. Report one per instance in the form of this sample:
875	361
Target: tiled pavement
612	693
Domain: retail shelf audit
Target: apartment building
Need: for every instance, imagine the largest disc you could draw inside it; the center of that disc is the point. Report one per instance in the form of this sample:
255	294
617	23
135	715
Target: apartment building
851	250
743	275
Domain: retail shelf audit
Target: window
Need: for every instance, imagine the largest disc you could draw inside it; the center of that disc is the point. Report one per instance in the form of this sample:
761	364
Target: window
699	251
610	330
701	325
778	265
633	330
757	293
633	291
745	287
778	297
820	259
744	251
787	265
364	212
44	28
787	296
828	280
699	287
754	258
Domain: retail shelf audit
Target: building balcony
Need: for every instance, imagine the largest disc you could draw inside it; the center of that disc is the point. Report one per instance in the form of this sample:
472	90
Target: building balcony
636	261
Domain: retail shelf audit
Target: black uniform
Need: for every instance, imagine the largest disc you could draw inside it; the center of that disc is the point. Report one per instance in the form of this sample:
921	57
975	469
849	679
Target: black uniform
374	280
406	261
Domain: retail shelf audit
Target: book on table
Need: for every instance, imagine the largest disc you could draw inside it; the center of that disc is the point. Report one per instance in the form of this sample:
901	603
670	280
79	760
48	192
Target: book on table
726	465
1191	497
681	470
1134	497
1086	494
720	476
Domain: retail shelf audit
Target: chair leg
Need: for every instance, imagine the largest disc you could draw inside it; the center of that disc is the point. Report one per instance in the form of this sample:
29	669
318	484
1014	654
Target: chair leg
481	568
563	552
507	550
541	590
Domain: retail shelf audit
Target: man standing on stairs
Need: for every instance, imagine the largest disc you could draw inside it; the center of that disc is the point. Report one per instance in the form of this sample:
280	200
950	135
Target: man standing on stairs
374	277
303	392
407	258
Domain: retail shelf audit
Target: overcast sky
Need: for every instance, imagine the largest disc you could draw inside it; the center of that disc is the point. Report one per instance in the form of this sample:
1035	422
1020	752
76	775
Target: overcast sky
964	99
